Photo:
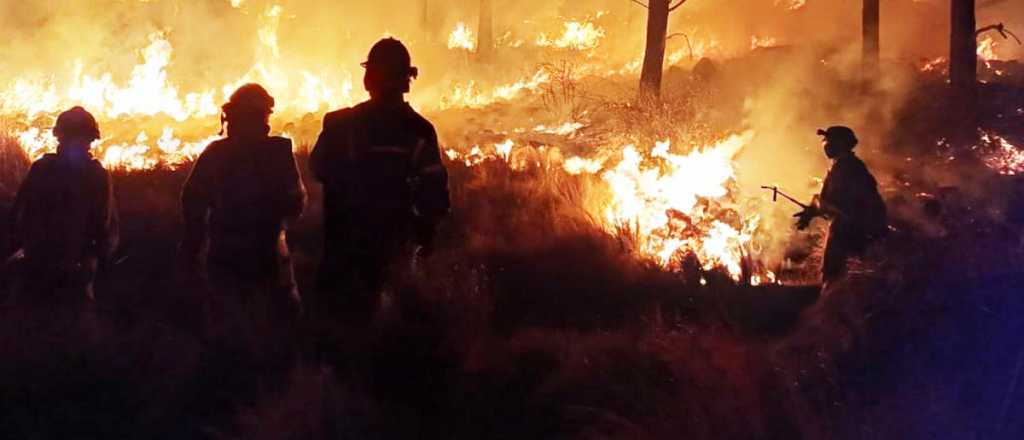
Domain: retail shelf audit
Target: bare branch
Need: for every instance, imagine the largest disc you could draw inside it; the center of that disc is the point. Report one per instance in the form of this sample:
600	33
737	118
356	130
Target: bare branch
640	3
1014	37
992	27
1006	33
676	6
685	37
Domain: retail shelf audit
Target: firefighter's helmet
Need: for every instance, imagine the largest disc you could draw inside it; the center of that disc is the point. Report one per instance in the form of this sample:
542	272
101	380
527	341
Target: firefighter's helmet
250	98
391	57
839	135
76	123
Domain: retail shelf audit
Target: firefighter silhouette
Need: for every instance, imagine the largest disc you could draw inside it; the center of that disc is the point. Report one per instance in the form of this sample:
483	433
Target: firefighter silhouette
850	199
385	188
242	194
64	224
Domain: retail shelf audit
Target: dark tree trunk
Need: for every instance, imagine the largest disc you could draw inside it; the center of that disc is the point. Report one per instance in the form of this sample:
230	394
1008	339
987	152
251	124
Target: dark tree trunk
425	14
963	65
426	20
871	28
963	46
654	54
485	41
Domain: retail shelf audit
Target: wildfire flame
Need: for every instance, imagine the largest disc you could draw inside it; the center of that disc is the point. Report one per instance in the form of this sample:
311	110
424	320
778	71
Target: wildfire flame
1001	155
146	93
670	200
575	35
671	205
792	5
759	42
987	49
469	94
461	38
157	105
149	93
674	203
937	65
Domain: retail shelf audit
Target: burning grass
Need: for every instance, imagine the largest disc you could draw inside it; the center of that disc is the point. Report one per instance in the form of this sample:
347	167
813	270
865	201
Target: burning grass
14	165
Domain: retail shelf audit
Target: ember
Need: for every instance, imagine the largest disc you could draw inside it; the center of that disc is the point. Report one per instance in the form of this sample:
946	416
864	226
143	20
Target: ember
1000	155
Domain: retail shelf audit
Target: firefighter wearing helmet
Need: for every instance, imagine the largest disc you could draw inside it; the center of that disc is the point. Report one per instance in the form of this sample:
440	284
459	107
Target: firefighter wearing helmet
385	187
242	194
64	223
850	199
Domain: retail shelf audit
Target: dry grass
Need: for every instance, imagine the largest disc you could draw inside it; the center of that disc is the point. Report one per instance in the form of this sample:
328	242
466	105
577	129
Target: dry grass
14	165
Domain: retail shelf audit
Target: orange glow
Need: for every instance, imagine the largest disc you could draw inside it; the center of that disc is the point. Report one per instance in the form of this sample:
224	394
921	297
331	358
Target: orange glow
462	38
987	49
575	35
1001	155
668	202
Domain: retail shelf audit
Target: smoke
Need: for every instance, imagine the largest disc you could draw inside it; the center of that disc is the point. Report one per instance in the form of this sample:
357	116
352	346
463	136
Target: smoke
49	38
217	42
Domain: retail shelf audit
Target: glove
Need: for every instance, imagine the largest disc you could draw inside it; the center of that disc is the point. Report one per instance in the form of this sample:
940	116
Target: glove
804	217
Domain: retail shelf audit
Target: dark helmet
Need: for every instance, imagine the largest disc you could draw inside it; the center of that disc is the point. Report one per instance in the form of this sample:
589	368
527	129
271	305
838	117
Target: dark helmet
250	98
249	102
390	57
76	123
839	135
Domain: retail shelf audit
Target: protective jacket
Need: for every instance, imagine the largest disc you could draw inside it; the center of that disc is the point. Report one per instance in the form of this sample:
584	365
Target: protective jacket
852	192
64	221
384	182
240	197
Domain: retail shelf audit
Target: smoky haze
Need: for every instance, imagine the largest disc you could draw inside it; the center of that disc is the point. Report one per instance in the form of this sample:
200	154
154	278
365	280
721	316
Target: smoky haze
215	42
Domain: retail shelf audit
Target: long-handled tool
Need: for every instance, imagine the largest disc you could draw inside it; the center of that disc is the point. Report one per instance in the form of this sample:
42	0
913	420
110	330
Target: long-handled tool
776	193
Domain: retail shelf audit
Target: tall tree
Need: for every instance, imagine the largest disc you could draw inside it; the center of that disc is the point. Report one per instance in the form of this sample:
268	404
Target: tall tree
425	14
654	52
871	28
426	19
485	39
963	62
963	45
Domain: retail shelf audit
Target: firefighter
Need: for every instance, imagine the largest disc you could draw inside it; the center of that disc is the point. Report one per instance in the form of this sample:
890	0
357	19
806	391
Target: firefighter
242	194
64	224
850	199
385	188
